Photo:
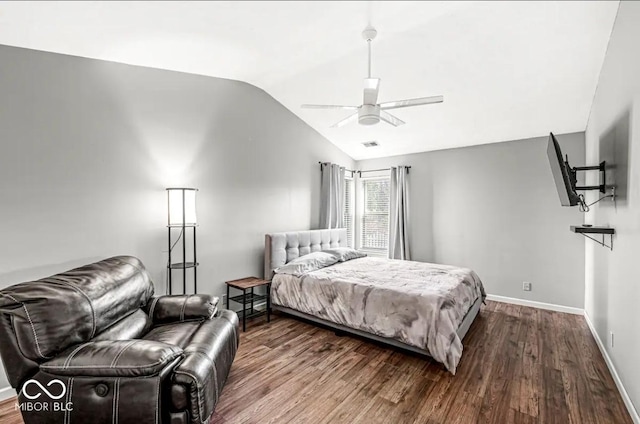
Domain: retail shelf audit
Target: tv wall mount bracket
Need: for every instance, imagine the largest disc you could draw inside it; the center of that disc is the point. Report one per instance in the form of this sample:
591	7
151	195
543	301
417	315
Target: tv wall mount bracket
602	187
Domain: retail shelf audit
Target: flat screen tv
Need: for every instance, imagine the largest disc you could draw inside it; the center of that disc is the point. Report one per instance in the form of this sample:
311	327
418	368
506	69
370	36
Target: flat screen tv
563	175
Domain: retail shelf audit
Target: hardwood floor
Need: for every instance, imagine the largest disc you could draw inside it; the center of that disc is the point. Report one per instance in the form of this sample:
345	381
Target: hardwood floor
520	365
8	415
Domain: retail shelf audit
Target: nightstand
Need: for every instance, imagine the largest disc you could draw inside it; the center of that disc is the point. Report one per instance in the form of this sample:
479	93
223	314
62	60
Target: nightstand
250	299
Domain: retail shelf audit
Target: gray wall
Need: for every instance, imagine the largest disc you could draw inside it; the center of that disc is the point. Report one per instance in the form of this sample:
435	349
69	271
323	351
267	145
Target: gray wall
494	208
613	134
89	146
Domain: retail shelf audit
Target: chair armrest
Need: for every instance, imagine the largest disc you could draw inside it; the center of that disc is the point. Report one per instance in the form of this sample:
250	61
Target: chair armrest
166	309
111	358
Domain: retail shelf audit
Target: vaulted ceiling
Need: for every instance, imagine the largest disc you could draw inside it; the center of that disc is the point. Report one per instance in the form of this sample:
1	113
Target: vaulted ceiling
507	70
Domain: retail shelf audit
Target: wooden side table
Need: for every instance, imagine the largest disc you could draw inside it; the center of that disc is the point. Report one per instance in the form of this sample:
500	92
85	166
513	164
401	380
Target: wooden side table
250	299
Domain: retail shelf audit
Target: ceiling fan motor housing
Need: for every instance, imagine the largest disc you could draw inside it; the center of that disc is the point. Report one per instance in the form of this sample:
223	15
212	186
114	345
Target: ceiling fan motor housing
368	114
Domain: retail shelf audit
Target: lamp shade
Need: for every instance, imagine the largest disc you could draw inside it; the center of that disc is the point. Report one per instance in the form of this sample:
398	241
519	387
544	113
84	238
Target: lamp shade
182	206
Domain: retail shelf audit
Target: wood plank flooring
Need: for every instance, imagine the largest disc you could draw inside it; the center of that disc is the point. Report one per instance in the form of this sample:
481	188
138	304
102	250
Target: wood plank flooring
8	415
520	365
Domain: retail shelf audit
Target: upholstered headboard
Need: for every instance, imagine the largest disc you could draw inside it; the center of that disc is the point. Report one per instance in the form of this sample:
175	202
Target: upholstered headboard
281	248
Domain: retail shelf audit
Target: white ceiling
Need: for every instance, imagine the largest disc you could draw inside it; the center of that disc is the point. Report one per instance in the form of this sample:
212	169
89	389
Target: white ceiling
507	70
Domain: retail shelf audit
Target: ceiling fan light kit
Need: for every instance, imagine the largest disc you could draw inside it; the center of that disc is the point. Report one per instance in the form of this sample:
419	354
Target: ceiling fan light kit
370	112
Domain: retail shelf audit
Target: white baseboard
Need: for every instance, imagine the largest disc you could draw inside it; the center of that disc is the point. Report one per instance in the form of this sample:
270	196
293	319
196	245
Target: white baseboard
534	304
614	373
7	393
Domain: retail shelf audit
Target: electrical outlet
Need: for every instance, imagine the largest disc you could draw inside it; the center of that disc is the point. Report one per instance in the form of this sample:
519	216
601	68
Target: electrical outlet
611	338
526	286
224	300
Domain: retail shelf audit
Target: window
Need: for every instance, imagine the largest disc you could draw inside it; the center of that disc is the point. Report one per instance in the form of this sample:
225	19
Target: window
349	209
374	232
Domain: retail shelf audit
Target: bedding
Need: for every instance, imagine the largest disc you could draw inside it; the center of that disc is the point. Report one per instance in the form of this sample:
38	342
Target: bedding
416	303
345	253
310	262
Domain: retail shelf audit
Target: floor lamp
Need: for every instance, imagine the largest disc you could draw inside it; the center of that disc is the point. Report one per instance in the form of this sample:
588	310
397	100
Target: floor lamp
181	214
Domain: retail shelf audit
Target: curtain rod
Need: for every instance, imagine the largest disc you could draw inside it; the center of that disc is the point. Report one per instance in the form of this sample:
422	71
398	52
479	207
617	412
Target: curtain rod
378	170
348	170
368	170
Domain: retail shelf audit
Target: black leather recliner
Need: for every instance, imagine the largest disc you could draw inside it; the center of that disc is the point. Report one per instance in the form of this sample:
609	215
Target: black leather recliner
92	345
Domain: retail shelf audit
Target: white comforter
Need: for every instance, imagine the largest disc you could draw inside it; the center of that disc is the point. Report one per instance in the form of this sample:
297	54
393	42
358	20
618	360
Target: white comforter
420	304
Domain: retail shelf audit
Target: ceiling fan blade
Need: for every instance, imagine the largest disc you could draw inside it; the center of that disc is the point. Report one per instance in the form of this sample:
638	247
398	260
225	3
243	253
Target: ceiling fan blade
390	119
349	119
329	107
412	102
371	87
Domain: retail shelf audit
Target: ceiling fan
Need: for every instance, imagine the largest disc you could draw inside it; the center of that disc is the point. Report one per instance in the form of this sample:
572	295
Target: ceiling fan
370	112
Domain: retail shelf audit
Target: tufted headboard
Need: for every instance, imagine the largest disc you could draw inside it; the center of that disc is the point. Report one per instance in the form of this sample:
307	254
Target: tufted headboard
281	248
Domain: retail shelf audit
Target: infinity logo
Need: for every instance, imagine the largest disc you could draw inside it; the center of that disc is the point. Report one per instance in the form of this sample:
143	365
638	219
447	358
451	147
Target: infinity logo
43	389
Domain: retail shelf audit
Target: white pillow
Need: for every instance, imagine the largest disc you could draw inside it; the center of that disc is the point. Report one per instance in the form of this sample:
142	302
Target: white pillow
345	253
307	263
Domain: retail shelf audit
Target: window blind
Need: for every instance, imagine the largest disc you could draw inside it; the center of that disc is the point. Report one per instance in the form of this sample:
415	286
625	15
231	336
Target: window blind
349	209
375	217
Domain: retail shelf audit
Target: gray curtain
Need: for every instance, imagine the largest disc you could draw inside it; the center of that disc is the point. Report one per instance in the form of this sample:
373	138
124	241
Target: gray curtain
399	214
332	196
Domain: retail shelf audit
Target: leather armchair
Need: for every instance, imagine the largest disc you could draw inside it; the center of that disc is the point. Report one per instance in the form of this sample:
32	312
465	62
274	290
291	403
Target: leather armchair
94	345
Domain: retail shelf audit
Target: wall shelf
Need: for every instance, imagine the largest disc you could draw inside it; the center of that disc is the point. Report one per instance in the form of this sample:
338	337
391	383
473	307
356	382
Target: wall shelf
586	230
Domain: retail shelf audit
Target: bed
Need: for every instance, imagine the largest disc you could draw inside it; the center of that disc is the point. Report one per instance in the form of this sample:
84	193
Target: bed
425	308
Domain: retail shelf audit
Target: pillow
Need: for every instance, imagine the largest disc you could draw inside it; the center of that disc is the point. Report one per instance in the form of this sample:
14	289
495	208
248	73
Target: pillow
307	263
345	253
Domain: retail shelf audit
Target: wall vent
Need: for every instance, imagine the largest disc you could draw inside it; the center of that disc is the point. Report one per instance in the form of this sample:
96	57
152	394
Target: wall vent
370	144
